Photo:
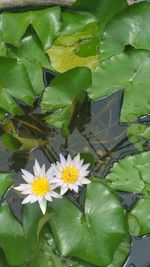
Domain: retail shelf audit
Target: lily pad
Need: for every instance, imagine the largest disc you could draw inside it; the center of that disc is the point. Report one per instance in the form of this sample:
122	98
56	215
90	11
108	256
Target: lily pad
65	58
139	134
131	174
139	217
131	27
103	10
128	71
46	23
5	182
24	237
65	92
92	235
17	86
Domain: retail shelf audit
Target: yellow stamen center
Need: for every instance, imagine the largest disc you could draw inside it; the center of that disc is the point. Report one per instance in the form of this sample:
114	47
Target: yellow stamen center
40	186
70	175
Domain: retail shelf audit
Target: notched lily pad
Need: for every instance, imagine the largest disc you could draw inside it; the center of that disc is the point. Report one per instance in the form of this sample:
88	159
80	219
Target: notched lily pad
65	92
131	174
103	223
139	217
128	71
131	27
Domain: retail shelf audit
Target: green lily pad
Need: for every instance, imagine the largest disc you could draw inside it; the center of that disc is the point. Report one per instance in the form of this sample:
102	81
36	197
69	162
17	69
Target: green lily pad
128	71
103	10
5	182
24	237
65	92
14	83
46	23
139	134
131	174
121	253
103	223
131	27
139	217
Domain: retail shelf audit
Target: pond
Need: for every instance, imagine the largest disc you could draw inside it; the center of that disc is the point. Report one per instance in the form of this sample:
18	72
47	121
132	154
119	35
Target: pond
75	98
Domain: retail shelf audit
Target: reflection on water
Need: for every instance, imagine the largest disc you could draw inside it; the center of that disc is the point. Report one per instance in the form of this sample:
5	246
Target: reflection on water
95	129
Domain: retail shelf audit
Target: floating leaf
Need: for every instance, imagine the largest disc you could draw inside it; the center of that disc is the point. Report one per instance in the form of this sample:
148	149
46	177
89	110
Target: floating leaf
103	10
65	92
18	143
5	182
121	253
24	237
128	71
64	58
131	27
131	174
74	23
14	83
46	23
139	217
139	134
103	223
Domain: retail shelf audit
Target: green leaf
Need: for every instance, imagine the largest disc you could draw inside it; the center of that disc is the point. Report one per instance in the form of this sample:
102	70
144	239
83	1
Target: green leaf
139	134
64	58
74	22
121	253
45	256
127	29
65	92
24	237
131	174
139	217
31	54
3	262
103	223
46	23
103	10
18	143
128	71
14	83
5	182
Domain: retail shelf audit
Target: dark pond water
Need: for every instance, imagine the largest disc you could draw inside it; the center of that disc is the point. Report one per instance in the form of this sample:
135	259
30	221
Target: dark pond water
95	130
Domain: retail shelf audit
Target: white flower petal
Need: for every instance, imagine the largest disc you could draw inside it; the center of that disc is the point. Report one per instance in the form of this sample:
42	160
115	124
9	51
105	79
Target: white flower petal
55	195
69	161
85	167
50	173
54	186
48	197
63	190
62	160
75	188
36	168
43	204
85	181
42	171
27	191
21	187
28	199
27	176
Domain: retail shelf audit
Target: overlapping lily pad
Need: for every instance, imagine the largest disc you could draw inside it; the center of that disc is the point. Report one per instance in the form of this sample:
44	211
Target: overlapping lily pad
128	71
131	27
139	217
65	92
131	174
94	234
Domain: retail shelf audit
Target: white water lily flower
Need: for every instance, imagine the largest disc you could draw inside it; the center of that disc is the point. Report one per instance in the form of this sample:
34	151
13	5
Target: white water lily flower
70	173
38	187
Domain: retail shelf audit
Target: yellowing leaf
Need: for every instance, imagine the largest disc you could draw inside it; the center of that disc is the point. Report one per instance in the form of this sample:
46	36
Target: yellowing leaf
63	59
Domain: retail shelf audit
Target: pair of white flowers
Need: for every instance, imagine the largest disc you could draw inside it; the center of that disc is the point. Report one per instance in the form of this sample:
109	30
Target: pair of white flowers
68	174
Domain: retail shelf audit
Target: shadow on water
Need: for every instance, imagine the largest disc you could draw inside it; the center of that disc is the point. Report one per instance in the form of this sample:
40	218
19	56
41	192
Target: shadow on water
95	130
